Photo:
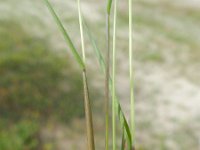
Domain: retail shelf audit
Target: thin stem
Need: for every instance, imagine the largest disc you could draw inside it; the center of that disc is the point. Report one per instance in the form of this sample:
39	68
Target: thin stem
81	31
107	93
113	77
88	111
131	72
107	75
88	114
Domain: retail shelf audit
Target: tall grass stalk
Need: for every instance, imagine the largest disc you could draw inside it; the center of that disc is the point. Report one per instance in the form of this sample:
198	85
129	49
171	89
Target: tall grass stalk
113	76
107	93
132	119
88	112
81	62
107	75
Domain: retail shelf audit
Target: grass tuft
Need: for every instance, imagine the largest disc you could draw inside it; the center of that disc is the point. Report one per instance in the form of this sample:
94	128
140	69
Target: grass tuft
109	82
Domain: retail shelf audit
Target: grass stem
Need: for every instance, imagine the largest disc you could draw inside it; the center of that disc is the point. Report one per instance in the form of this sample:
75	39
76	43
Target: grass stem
88	114
107	75
88	111
114	76
132	101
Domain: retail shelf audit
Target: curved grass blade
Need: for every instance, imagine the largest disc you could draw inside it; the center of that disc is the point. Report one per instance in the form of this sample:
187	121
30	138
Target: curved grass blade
121	116
66	36
95	47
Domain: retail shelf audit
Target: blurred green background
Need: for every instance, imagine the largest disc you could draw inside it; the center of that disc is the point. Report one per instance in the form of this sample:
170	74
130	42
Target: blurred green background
41	100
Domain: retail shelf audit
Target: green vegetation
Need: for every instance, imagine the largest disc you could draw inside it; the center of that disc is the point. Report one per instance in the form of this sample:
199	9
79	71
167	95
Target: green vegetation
20	136
36	84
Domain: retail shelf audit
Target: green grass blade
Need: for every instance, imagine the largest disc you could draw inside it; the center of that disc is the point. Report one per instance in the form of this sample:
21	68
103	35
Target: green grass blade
66	36
124	124
120	114
123	142
132	101
114	76
109	5
107	75
107	72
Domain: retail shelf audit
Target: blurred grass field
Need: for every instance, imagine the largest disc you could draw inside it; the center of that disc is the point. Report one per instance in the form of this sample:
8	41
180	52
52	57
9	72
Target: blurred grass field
41	89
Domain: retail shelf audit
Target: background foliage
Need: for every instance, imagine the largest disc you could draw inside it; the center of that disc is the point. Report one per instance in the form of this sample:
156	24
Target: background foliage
36	84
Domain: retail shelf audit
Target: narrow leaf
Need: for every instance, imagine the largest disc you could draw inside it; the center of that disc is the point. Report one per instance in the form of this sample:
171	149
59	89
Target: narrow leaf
109	5
66	36
95	47
123	142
